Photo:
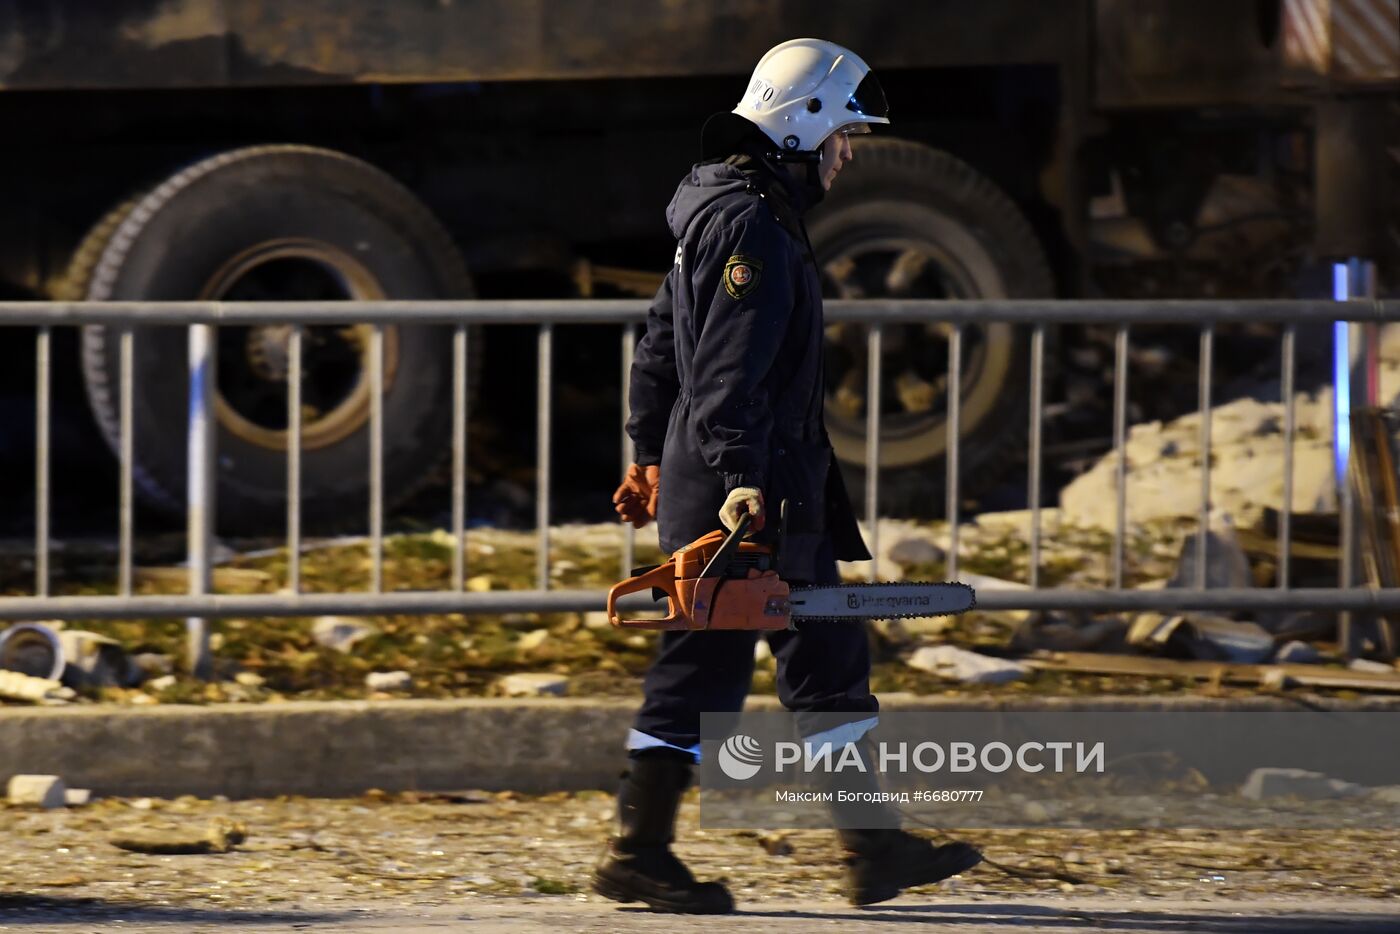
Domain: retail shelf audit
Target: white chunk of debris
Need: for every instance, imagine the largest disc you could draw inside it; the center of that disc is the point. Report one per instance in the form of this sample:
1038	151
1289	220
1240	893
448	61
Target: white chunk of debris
534	684
340	632
388	681
949	661
1296	783
41	791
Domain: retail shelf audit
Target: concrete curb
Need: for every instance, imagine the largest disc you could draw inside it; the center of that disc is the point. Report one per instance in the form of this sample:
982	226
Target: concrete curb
338	748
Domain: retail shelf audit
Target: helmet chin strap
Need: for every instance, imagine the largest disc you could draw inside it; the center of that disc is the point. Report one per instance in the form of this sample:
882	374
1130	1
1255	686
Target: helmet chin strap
812	158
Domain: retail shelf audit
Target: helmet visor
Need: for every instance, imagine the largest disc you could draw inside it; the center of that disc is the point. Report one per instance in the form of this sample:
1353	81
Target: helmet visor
869	98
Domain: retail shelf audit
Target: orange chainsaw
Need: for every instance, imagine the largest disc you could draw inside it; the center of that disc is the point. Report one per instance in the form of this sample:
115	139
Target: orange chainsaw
720	581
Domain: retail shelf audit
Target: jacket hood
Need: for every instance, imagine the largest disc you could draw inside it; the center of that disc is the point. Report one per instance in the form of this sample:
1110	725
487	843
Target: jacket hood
707	183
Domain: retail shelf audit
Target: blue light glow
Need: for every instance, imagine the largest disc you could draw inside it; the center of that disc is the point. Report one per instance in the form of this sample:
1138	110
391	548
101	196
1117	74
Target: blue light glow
1341	377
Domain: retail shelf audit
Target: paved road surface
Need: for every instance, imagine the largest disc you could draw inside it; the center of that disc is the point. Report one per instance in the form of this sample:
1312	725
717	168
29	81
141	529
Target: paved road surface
556	915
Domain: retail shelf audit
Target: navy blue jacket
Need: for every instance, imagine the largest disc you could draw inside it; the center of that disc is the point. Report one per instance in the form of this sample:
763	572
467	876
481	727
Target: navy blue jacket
726	385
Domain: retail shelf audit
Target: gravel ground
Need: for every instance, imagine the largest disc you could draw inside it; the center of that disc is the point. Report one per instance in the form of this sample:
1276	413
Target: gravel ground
511	863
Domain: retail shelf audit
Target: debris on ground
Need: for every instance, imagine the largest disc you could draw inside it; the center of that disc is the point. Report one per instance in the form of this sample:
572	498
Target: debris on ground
341	632
414	847
221	836
29	689
949	661
1265	783
92	659
388	681
533	684
32	649
36	791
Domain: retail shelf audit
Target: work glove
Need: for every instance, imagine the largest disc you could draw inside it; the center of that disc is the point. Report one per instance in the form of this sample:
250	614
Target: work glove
635	499
740	500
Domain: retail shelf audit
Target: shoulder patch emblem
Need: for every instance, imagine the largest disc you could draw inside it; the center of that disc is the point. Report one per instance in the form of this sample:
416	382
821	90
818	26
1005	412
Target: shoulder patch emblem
741	275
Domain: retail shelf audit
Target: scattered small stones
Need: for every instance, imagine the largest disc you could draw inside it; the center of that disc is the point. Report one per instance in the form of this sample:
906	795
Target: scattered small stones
250	679
1296	783
341	632
534	684
162	683
388	681
957	664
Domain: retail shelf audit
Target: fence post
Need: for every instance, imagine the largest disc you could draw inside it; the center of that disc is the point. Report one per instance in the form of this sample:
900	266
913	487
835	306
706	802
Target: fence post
199	480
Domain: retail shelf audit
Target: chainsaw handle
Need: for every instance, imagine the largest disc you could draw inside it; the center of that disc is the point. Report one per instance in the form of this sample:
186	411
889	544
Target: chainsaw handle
663	578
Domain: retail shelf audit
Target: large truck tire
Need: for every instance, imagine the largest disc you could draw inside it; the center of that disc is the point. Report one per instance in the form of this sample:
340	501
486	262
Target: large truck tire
278	222
907	221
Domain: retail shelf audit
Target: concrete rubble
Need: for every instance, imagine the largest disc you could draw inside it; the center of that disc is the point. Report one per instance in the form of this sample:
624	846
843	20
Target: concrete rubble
1297	783
388	680
949	661
36	791
533	684
341	632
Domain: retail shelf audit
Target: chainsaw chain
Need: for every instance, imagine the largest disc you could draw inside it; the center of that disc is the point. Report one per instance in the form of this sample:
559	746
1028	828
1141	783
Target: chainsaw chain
810	587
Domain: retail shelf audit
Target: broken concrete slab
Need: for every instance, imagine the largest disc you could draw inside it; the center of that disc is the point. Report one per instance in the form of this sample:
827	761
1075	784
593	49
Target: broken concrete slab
1227	566
36	791
534	684
341	632
1265	783
949	661
22	687
388	680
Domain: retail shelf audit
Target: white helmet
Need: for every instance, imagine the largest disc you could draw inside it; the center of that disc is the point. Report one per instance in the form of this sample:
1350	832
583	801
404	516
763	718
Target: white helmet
805	89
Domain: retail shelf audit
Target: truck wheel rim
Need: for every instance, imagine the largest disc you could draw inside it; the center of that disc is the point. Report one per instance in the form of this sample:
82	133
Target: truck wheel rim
250	400
914	364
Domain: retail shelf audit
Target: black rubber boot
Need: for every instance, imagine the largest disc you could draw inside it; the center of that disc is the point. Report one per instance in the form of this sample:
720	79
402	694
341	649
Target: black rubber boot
881	859
881	863
638	865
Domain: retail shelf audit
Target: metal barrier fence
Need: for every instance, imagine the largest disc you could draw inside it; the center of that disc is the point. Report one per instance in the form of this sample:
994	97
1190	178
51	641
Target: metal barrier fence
201	318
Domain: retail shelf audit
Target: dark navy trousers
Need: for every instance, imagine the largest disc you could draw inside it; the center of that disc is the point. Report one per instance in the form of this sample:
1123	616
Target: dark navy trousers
823	666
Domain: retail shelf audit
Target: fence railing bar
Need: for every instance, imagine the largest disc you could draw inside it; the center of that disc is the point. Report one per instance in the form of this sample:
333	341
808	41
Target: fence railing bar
1203	529
200	480
623	311
126	445
629	534
954	443
873	401
376	457
294	366
1120	447
211	606
1037	451
43	416
1290	416
542	448
459	458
